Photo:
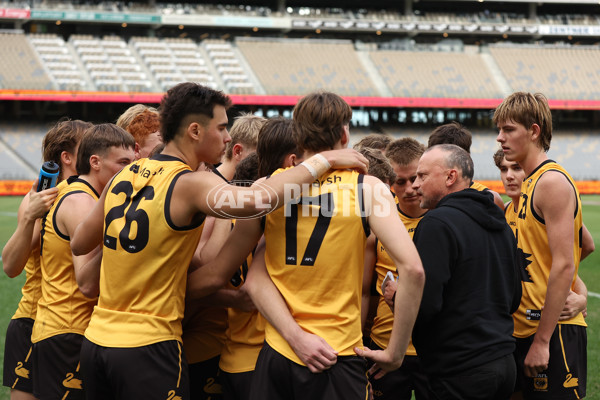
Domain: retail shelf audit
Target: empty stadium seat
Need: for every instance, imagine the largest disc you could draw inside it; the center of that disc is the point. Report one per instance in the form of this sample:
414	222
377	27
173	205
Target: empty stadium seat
435	74
298	66
560	72
20	67
111	65
172	61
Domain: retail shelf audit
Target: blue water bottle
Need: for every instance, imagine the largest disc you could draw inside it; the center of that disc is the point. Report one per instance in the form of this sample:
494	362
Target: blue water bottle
48	175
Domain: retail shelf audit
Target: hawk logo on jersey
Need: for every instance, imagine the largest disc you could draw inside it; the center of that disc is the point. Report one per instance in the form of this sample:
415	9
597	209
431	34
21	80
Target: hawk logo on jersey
524	257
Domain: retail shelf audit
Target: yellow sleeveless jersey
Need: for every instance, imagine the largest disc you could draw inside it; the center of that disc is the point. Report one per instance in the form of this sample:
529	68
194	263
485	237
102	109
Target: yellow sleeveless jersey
314	254
245	332
145	257
203	331
478	186
383	321
511	216
532	241
32	289
62	307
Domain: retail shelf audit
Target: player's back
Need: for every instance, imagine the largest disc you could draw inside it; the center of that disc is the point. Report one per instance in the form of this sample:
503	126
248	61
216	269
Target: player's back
145	257
314	255
62	307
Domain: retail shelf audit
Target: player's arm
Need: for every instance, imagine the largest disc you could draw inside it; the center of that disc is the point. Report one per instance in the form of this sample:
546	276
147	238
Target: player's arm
213	275
369	266
313	350
207	227
229	298
387	226
215	233
498	199
88	234
555	202
74	209
576	301
27	235
213	240
587	242
196	191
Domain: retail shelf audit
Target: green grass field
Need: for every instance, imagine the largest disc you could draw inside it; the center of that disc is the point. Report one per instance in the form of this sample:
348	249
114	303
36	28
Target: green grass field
10	289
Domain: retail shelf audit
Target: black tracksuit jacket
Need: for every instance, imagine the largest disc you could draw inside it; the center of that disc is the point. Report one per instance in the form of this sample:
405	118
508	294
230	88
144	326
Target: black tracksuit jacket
472	284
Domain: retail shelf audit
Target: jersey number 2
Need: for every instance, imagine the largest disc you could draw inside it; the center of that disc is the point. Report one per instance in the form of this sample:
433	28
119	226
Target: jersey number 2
133	214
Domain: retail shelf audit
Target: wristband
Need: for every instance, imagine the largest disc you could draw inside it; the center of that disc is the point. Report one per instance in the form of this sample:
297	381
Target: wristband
317	165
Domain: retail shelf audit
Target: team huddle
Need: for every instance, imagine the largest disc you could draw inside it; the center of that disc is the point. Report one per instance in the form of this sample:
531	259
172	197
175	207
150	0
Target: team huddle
296	268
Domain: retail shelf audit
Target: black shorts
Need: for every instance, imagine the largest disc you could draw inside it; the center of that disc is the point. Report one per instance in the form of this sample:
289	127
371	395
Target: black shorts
156	371
204	380
277	377
493	380
400	384
236	386
17	355
56	372
566	375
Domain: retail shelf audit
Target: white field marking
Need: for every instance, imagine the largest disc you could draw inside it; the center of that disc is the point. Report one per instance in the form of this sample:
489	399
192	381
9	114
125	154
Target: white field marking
594	294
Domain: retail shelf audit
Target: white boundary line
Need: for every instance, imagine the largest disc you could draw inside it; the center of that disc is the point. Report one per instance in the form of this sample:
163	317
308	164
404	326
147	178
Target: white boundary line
594	294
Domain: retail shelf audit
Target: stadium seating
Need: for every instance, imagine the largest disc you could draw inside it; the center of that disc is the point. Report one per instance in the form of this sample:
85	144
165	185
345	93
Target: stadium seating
229	67
111	64
172	61
578	151
59	61
435	74
280	66
558	72
20	150
297	66
20	68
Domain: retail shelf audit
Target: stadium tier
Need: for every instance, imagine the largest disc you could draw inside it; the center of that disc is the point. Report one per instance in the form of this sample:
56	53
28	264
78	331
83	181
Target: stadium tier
579	152
280	66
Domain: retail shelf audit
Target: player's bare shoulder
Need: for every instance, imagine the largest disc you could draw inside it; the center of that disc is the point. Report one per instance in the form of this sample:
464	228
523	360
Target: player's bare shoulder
554	193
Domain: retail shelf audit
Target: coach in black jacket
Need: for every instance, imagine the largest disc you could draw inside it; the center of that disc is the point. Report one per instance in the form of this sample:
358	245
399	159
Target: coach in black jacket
463	333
